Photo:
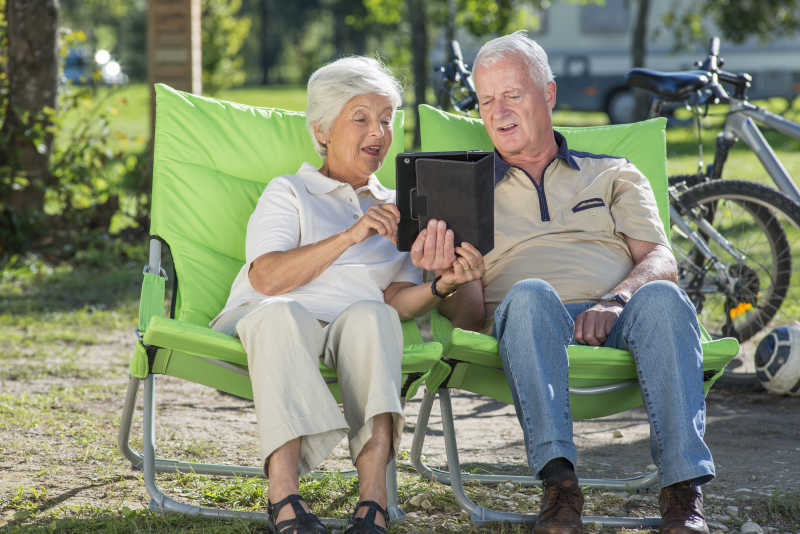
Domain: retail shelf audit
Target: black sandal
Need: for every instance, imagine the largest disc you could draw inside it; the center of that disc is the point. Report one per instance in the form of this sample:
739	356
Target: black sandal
366	524
302	523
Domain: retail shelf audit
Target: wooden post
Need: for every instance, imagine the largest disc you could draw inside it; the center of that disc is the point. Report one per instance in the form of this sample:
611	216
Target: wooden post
174	47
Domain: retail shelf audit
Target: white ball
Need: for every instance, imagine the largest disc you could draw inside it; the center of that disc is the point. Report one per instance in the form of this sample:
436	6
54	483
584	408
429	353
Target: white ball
778	361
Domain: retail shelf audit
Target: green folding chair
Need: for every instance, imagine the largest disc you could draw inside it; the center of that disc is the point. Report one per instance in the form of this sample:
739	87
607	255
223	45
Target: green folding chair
602	380
212	160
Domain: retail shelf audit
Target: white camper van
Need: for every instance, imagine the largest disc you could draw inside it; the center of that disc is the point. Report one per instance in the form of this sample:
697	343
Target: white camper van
589	49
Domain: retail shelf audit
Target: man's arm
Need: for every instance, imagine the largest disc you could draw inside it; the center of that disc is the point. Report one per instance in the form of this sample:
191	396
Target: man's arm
651	261
465	308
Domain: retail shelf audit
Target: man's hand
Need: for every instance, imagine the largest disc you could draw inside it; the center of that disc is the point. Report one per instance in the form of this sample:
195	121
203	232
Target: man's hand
379	219
593	325
468	266
434	250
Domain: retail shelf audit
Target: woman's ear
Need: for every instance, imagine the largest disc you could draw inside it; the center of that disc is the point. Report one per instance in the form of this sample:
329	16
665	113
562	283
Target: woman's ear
322	138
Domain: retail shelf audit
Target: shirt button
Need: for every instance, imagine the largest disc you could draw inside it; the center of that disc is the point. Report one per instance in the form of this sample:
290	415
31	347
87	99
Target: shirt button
355	216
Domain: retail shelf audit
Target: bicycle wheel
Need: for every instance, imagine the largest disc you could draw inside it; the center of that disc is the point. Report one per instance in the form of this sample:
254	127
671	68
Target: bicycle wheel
741	294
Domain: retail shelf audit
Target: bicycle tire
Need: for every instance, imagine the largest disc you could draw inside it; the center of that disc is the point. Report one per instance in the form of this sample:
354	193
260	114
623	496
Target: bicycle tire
751	218
761	203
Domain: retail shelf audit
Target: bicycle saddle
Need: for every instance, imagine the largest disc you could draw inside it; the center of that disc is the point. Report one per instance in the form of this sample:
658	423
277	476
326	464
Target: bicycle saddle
669	85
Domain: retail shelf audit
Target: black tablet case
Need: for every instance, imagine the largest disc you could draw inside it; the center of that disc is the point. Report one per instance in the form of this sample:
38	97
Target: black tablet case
456	187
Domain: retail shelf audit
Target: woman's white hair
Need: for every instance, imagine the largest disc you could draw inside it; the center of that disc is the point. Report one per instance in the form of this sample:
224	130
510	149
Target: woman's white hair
333	85
517	43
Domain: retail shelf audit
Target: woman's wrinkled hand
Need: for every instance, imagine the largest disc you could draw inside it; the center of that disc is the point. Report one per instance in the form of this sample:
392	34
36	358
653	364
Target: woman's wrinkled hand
379	219
433	250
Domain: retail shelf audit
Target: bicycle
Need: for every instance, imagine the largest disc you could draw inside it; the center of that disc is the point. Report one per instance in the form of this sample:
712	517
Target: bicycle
457	90
737	279
748	305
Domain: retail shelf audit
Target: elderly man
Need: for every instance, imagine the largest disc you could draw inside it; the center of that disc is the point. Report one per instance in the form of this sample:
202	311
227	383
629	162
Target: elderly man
581	257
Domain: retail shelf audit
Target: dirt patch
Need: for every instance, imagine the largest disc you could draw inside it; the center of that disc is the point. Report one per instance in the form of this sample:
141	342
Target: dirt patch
58	452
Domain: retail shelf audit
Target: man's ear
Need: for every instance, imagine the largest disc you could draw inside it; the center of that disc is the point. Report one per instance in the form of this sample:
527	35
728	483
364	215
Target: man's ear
550	94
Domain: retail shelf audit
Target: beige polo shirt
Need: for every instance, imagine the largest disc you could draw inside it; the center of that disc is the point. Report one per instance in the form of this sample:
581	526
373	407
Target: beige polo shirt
569	230
305	208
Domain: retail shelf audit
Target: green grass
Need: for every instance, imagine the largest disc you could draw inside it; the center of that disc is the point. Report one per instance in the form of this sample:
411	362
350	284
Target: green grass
51	318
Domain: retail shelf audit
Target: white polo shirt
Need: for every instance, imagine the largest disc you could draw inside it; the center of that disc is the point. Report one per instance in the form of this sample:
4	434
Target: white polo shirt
305	208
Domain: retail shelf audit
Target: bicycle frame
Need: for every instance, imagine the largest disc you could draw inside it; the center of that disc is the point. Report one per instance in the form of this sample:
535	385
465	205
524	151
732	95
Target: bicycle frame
741	124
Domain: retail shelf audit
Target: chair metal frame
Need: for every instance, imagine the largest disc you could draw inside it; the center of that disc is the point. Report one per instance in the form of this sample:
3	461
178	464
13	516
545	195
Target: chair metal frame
479	515
150	464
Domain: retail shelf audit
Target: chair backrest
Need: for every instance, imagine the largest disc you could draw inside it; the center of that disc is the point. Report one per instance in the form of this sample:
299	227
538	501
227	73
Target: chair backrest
211	162
643	143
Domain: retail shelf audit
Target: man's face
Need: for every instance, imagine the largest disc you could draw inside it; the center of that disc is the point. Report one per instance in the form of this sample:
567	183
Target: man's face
514	108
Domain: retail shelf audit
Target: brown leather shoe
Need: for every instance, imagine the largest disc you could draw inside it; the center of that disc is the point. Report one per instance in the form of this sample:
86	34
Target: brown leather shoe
562	505
681	508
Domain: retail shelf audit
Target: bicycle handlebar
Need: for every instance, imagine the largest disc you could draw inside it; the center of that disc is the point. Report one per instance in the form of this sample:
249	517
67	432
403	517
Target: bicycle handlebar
712	64
455	51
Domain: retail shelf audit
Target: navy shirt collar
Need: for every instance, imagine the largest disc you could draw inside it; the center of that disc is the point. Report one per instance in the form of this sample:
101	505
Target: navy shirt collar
501	166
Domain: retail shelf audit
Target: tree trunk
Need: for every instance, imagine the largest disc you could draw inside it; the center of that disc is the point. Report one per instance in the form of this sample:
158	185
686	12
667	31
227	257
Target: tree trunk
270	41
32	86
419	46
639	55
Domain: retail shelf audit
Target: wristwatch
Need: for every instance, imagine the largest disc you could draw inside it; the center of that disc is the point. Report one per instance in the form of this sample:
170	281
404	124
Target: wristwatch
441	295
614	297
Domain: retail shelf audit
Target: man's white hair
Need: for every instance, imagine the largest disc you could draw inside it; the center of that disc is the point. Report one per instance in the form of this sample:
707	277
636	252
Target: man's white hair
517	43
335	84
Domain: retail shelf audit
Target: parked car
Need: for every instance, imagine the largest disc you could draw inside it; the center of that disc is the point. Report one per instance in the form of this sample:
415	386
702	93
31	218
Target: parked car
82	67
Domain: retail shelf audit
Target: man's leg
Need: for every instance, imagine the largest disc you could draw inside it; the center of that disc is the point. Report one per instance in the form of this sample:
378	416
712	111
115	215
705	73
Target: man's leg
659	327
533	330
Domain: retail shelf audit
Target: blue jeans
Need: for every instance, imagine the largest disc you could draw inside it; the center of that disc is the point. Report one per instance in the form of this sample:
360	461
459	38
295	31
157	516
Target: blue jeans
658	326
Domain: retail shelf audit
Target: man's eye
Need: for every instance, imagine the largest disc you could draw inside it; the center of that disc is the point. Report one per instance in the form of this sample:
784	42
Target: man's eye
514	97
386	121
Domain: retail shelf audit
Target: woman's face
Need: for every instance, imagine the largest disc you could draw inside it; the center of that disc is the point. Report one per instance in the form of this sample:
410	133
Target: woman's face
359	138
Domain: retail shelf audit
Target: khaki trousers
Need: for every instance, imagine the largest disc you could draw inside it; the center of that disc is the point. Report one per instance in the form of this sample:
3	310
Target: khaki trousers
284	344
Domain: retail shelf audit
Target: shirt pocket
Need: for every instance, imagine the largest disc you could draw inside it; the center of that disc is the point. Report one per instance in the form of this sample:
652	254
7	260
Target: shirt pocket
587	213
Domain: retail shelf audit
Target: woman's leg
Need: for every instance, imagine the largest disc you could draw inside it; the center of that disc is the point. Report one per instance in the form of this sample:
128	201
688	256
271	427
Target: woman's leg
299	421
371	465
282	469
365	345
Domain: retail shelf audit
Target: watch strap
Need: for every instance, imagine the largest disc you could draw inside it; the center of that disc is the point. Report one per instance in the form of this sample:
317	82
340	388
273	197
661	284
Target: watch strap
436	292
614	297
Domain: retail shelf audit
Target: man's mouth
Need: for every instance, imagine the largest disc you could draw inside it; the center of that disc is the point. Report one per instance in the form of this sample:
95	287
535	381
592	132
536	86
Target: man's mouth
507	127
372	150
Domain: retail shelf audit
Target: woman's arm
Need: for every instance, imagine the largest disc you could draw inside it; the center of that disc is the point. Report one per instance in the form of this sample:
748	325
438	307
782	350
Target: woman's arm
412	300
276	273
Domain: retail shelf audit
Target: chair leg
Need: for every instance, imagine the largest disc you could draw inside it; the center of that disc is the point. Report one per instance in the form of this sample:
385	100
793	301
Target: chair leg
123	438
175	466
163	503
396	513
480	514
158	500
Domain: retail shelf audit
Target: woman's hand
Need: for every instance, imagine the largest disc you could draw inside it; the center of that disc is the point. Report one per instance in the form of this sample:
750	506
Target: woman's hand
379	219
467	266
433	250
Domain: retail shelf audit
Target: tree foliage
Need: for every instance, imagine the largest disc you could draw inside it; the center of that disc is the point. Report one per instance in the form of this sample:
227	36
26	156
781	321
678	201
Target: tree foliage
223	33
736	19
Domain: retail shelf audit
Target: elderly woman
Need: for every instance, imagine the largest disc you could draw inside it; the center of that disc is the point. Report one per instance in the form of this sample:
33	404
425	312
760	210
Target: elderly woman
324	281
